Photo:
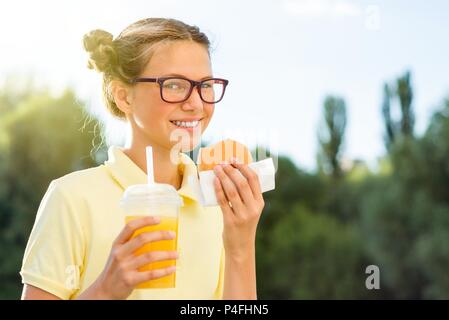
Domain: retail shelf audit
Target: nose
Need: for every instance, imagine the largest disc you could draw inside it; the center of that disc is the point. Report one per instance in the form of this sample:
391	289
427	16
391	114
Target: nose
194	102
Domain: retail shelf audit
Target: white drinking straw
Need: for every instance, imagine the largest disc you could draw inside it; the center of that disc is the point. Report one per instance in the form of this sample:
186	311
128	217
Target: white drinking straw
150	169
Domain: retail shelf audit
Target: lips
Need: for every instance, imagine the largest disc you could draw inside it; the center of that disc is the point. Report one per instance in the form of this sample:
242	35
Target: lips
188	119
186	124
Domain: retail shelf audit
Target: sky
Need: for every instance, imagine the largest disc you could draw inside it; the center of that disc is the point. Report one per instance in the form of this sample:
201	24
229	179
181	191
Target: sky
282	58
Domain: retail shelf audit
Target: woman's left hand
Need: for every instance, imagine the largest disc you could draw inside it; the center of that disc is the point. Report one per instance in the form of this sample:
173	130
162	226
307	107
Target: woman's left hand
239	196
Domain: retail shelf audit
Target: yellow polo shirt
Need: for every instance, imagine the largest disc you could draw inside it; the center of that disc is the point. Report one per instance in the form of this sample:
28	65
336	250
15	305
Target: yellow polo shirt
79	217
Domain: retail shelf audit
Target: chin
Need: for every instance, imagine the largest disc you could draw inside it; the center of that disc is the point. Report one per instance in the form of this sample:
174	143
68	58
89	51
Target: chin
185	141
185	144
190	145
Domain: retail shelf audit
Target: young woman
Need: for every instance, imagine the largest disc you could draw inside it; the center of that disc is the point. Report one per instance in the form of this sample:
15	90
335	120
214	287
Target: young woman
157	76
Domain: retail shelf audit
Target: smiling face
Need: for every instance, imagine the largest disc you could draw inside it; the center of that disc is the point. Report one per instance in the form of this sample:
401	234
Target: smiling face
161	123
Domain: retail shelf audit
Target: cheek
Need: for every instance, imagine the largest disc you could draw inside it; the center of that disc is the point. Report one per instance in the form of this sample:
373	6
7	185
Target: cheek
209	111
148	116
150	111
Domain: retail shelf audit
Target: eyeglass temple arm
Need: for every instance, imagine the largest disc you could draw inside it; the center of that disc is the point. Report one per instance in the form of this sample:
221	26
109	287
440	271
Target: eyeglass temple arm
143	80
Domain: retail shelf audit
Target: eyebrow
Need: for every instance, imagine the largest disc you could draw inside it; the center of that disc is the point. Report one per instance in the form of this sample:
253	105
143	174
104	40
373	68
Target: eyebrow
183	76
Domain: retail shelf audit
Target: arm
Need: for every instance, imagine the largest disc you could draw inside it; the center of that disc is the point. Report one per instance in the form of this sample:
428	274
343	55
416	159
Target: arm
238	193
240	277
33	293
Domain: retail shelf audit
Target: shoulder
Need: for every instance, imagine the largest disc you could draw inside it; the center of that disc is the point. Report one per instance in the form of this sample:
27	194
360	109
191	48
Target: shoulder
80	181
68	196
82	178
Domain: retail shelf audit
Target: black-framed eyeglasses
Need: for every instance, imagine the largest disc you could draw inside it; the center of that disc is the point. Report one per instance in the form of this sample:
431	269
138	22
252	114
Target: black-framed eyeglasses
178	89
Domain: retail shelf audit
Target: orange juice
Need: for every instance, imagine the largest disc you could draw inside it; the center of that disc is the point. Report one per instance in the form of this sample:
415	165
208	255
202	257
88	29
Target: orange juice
167	223
155	199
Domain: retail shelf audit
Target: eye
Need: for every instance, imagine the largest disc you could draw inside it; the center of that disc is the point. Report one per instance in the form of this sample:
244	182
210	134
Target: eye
176	84
207	85
171	85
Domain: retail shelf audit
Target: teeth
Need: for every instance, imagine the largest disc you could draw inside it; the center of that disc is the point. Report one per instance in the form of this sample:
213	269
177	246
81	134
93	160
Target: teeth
186	124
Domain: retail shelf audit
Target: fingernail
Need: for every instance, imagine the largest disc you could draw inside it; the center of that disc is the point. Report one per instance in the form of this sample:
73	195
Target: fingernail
172	234
217	169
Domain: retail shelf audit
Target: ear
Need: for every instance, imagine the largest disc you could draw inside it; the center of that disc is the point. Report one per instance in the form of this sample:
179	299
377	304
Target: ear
122	95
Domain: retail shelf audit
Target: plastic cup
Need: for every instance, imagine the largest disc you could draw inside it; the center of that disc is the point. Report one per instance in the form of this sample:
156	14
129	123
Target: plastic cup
163	201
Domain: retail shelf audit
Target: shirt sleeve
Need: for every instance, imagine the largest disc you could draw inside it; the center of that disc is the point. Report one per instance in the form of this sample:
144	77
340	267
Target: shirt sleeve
54	255
220	285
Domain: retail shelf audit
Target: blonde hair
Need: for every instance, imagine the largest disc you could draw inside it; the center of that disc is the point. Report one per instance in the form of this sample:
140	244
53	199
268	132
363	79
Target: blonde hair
126	56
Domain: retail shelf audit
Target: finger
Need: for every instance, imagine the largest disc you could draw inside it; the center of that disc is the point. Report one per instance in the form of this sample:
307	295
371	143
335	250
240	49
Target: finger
133	225
150	257
144	238
143	276
222	200
229	188
241	183
252	178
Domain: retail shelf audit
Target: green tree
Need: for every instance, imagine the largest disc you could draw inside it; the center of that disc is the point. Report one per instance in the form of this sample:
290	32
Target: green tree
390	125
405	216
404	92
313	256
331	136
404	127
46	137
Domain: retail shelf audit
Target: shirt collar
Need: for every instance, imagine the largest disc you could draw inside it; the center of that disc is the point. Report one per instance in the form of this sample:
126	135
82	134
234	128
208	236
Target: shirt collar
127	173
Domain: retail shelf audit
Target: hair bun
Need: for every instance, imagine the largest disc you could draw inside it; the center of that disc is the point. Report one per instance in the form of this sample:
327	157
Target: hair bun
100	46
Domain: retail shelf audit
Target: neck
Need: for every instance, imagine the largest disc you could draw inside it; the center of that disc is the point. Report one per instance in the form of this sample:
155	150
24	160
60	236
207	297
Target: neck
165	170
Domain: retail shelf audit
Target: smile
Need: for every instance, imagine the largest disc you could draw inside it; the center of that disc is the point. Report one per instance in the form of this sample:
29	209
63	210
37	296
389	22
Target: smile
185	124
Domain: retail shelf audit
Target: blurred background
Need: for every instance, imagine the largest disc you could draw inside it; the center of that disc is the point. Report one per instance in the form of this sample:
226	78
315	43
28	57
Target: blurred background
350	97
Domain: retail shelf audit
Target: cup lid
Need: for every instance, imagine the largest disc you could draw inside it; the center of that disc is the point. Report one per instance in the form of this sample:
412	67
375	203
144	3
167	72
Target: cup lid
151	194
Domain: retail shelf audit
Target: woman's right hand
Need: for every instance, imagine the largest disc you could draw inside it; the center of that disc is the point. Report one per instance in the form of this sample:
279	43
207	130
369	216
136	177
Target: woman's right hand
121	274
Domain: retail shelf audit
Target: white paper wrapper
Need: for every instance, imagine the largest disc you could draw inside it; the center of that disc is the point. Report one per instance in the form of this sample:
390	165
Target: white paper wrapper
204	186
